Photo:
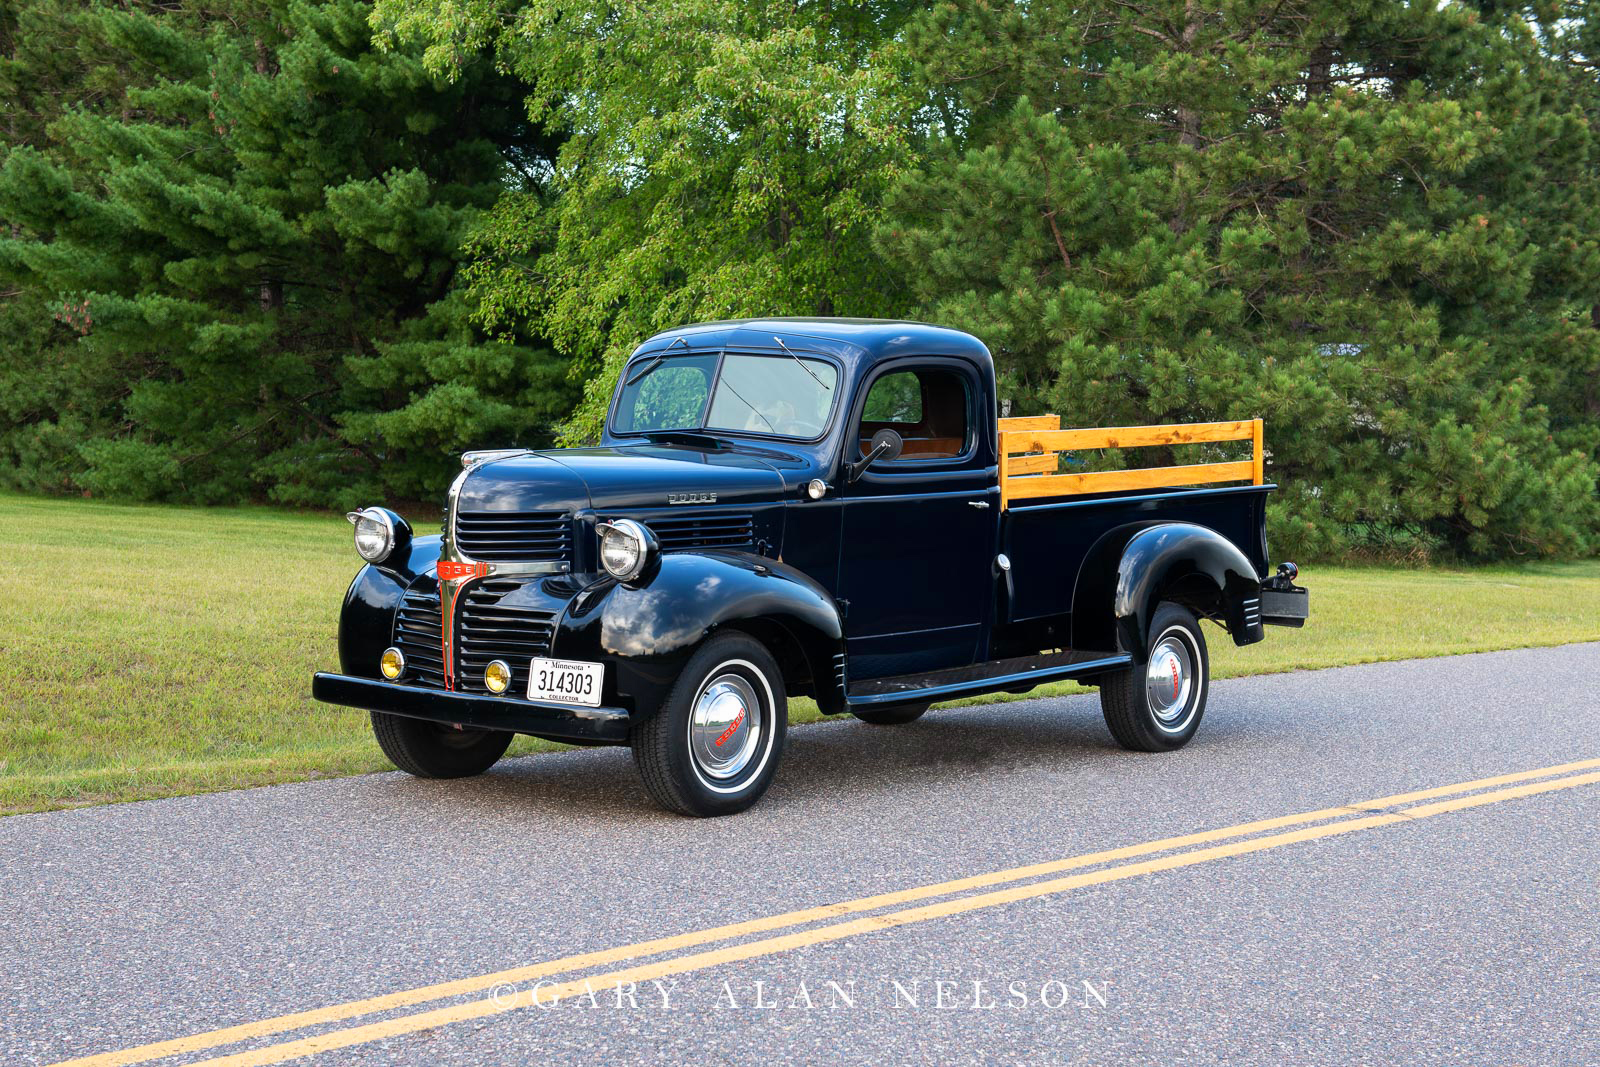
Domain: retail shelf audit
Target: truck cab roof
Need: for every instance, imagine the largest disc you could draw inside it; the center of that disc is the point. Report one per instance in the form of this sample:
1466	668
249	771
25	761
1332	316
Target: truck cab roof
858	342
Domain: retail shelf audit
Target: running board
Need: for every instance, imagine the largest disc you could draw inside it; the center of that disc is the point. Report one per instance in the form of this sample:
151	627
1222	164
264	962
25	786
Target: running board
1023	671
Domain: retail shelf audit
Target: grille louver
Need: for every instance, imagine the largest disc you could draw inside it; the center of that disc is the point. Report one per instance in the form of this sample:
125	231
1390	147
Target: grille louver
488	630
712	530
416	635
514	536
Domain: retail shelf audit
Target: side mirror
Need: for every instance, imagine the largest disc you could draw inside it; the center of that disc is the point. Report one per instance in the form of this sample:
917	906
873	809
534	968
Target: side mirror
886	444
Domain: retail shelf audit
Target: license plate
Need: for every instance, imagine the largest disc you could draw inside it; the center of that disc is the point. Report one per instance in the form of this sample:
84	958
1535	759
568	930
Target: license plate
566	681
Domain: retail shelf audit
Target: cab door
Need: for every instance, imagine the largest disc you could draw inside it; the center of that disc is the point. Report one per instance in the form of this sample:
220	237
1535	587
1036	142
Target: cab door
918	531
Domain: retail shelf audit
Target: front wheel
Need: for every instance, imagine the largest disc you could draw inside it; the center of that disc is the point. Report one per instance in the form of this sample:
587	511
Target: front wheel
714	744
1157	707
436	750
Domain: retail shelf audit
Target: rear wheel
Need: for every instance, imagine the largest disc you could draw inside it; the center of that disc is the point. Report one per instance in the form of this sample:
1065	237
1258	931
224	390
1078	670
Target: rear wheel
714	745
896	716
1157	706
436	750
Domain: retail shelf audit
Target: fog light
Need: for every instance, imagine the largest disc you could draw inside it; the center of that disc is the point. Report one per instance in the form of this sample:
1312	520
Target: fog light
497	676
392	663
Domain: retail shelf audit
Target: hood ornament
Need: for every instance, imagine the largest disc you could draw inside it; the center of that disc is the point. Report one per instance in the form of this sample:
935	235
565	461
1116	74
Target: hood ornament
489	455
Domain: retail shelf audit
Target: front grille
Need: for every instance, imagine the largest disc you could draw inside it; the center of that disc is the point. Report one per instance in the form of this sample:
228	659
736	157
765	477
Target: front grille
514	536
485	630
488	630
711	530
416	635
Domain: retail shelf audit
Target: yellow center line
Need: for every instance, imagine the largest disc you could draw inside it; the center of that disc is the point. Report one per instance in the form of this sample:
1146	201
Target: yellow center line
517	975
410	1024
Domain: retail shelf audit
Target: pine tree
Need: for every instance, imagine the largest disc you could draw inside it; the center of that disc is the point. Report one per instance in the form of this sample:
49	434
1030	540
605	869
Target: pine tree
54	392
1328	214
261	233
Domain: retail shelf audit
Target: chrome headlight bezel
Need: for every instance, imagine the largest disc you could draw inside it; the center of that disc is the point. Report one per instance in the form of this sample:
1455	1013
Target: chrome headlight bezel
645	548
389	530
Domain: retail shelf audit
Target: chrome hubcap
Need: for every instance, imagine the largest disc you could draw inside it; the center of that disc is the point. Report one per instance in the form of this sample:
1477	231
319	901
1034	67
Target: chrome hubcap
1170	680
725	728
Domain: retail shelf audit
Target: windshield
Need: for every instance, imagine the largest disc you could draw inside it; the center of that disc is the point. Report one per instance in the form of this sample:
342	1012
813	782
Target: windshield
781	396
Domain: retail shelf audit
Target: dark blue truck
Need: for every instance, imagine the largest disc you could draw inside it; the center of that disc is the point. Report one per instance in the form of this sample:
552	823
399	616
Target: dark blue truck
818	507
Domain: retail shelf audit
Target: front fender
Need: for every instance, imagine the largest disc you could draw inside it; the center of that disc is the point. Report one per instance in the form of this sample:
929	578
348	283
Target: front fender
366	620
1128	569
649	631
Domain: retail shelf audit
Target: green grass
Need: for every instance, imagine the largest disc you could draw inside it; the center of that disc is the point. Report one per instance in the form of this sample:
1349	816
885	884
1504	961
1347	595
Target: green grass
152	651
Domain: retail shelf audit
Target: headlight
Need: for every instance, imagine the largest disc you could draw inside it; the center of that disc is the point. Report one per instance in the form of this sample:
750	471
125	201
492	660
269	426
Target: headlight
625	548
377	531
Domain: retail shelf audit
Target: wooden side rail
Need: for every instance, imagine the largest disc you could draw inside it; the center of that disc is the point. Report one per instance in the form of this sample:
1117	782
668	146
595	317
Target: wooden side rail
1039	464
1041	439
1031	422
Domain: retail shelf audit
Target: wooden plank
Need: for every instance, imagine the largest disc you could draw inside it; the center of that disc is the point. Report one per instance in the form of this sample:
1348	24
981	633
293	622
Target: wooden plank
1257	438
1147	478
1005	483
1045	464
1123	436
1031	422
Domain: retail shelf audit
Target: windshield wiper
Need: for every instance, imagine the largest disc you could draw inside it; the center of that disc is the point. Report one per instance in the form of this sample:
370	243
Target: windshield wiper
746	403
646	369
802	363
643	371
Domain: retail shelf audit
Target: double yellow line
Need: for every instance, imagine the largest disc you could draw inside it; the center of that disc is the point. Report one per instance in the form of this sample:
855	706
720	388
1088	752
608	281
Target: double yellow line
1034	882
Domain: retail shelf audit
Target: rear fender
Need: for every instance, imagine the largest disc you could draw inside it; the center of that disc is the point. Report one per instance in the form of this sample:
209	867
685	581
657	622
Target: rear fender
1131	569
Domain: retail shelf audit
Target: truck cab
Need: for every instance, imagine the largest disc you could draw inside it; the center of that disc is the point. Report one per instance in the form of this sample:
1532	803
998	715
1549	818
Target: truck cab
820	507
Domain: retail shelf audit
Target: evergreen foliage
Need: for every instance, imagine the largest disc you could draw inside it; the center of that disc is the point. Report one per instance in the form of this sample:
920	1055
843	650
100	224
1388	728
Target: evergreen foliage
1373	224
307	249
248	222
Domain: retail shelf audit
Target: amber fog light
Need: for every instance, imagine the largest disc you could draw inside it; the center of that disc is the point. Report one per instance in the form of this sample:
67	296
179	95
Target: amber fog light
497	676
392	663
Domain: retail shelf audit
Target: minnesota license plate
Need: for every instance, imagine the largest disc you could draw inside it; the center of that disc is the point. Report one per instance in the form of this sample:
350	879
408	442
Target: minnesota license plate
565	680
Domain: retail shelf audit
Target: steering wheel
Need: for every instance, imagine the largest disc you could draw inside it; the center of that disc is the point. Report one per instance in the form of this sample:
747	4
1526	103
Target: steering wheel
803	427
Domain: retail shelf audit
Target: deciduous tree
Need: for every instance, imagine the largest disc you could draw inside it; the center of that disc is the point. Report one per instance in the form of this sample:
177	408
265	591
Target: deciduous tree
725	158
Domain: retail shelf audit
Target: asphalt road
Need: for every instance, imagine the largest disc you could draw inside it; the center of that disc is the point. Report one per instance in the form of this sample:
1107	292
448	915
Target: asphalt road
1462	926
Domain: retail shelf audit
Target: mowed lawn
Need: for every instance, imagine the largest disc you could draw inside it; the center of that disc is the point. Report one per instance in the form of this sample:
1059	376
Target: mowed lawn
152	651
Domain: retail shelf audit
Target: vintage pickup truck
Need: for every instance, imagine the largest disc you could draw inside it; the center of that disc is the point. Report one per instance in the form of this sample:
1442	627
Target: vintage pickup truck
826	507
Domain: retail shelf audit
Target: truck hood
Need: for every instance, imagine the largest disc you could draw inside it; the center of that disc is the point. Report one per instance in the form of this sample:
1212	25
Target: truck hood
615	477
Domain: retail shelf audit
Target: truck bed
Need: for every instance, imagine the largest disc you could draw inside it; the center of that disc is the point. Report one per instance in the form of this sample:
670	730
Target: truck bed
1048	542
1052	519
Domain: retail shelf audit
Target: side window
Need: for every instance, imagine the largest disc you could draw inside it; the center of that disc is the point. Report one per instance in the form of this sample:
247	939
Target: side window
895	398
927	408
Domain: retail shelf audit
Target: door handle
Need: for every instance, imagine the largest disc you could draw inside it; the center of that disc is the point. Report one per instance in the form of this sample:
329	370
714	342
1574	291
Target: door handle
977	504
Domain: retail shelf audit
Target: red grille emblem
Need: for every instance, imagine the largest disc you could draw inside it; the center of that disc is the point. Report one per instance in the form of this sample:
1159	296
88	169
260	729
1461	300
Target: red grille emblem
450	571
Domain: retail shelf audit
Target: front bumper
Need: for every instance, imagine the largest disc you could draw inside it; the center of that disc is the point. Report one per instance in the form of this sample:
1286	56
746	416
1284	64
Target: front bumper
562	722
